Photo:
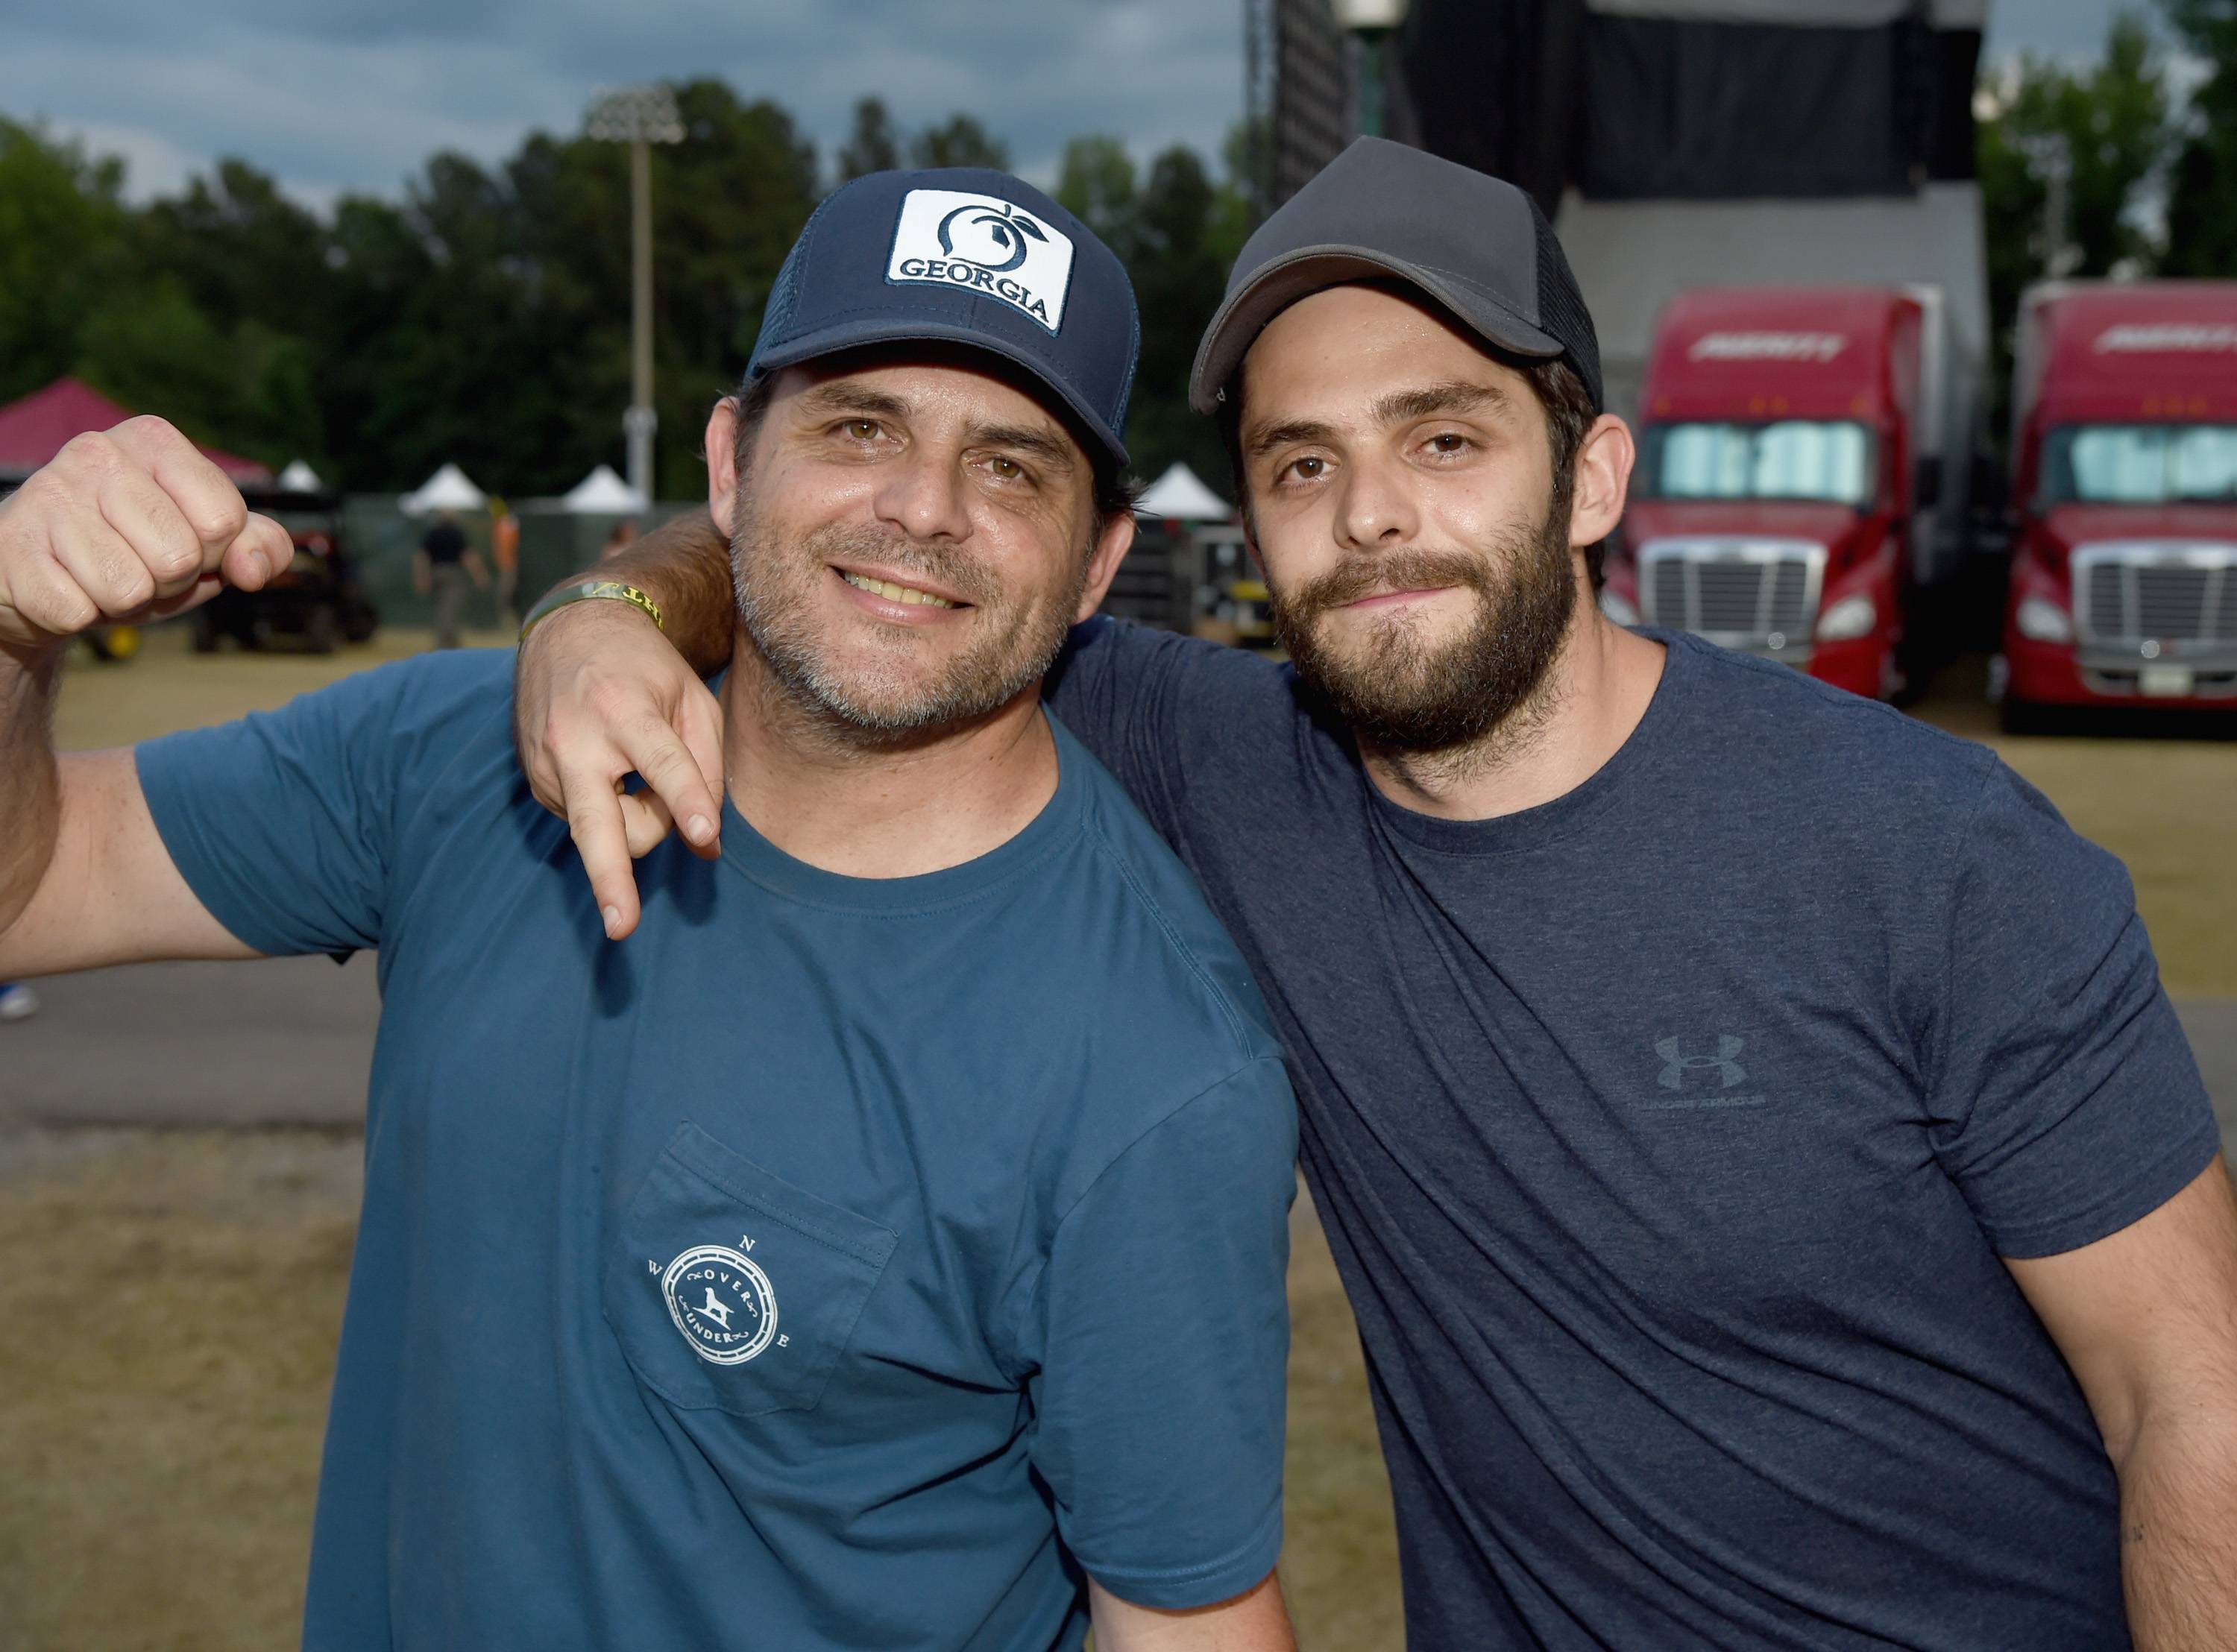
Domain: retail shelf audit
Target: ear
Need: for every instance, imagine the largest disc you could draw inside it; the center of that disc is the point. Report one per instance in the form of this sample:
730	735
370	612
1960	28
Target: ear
1110	548
1602	481
722	463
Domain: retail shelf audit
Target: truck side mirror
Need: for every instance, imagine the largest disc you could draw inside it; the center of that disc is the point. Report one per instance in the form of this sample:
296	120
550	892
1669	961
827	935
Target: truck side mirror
1926	483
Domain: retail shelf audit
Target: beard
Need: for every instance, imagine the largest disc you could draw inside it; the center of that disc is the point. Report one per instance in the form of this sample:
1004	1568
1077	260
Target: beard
1399	689
890	693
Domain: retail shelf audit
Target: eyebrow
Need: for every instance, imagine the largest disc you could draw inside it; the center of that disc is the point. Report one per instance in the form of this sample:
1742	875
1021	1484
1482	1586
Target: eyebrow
1452	396
842	397
1399	406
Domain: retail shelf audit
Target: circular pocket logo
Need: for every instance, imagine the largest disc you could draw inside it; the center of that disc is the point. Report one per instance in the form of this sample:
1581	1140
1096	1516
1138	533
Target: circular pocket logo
723	1304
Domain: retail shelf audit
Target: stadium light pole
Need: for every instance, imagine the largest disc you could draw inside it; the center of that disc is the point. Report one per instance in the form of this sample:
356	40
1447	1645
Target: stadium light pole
1371	23
639	117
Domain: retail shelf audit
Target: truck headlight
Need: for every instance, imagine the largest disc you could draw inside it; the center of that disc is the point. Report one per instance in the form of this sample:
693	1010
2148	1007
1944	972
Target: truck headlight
1616	608
1850	617
2042	621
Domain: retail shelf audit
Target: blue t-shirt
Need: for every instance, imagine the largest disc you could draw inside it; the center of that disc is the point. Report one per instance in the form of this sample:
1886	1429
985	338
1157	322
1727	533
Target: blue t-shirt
838	1263
1668	1136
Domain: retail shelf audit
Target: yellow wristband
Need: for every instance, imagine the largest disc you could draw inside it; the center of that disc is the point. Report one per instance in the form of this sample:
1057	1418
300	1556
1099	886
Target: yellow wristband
587	590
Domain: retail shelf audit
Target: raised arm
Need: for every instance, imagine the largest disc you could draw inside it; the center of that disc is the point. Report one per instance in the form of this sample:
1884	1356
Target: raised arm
131	525
601	692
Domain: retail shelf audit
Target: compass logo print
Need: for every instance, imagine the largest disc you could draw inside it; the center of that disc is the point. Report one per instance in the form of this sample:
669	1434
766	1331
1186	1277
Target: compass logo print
987	246
721	1302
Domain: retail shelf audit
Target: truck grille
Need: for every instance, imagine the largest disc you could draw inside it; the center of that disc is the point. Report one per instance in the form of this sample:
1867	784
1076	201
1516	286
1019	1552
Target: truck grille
1760	595
2134	594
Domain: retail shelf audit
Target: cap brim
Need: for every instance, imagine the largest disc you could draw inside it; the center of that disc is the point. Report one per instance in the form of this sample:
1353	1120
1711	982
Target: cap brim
1309	270
853	335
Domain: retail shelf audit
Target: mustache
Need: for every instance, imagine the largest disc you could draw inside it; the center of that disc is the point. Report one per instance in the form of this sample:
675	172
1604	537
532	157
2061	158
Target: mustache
1407	569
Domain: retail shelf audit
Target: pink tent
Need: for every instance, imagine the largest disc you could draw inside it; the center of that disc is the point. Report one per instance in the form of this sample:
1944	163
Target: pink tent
34	430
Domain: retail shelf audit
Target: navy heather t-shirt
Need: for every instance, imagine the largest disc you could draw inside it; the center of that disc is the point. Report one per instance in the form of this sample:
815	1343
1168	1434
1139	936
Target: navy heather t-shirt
1668	1136
837	1263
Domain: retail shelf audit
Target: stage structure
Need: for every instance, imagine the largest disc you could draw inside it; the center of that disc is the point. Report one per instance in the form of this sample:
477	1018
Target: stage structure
1675	144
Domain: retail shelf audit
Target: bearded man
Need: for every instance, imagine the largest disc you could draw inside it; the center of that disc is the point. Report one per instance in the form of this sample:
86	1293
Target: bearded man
1779	1207
886	1250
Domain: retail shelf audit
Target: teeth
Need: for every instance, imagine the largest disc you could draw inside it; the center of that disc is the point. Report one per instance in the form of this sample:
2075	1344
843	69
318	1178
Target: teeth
892	592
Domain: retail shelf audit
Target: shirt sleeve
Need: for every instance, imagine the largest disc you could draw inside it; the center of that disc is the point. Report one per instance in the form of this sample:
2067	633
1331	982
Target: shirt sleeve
1151	705
284	824
1160	1401
2069	1102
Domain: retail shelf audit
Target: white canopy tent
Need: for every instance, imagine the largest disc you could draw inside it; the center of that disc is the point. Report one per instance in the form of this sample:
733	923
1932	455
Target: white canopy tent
1180	496
447	490
299	478
603	494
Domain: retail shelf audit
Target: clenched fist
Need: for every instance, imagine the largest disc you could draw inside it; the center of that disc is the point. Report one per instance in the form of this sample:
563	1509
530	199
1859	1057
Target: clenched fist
130	524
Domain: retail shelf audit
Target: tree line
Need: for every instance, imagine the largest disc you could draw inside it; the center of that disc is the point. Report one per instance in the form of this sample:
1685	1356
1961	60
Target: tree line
483	316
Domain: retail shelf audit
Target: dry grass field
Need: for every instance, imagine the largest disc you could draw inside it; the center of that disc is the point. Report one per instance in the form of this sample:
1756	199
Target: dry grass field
170	1299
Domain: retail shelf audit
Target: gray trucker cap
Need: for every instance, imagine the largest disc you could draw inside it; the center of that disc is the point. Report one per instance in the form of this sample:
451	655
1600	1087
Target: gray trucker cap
1476	244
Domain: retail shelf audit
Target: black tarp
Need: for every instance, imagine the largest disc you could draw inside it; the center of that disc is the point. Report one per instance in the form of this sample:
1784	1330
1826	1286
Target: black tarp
1624	106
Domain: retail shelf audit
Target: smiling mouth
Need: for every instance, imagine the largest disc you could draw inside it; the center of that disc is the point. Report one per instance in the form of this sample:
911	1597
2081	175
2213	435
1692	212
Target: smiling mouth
893	593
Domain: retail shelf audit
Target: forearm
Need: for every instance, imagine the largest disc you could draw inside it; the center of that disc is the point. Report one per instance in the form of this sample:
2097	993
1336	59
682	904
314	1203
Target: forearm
2179	1531
31	792
684	566
1256	1621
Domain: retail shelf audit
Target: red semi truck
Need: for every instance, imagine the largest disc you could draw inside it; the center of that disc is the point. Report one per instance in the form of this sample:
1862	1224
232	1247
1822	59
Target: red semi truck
2124	485
1803	454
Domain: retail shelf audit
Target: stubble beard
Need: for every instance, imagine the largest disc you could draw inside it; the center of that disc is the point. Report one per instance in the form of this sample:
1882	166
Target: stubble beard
892	699
1408	696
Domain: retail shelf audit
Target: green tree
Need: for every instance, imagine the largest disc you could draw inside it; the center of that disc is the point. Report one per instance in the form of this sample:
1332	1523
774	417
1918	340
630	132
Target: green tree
960	140
2202	208
2086	146
64	244
1095	183
1179	278
872	144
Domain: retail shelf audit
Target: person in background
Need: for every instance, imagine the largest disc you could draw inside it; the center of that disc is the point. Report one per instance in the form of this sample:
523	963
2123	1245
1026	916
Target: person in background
17	1002
504	557
441	566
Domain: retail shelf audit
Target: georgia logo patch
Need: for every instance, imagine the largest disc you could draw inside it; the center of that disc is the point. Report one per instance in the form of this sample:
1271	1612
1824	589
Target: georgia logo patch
985	245
723	1303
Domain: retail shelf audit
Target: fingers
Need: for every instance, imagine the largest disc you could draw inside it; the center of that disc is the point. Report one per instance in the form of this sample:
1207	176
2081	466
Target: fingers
661	758
119	525
208	502
699	720
602	838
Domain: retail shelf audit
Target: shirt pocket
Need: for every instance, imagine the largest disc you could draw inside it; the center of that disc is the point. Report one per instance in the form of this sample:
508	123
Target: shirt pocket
731	1290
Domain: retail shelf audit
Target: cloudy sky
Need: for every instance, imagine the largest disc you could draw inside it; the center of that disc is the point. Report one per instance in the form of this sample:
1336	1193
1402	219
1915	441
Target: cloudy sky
332	95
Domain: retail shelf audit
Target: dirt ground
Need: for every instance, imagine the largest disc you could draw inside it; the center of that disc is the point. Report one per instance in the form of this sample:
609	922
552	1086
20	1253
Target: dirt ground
171	1298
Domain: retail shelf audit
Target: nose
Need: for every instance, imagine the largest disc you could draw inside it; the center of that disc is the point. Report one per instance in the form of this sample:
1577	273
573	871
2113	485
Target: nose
924	496
1375	507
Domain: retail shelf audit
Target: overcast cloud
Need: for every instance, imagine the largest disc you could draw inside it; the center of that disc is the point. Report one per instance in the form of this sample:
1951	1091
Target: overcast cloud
336	96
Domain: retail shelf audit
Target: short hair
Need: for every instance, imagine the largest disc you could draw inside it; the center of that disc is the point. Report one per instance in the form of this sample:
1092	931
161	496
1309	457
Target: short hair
1115	490
1566	405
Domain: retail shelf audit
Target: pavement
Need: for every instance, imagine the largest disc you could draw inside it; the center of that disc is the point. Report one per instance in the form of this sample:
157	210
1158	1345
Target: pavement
287	1042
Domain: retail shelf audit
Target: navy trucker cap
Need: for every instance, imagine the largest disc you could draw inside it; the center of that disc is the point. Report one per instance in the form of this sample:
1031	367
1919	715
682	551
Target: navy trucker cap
961	255
1476	244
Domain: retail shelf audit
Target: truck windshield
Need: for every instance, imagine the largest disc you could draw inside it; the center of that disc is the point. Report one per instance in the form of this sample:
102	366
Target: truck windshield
1794	458
2140	464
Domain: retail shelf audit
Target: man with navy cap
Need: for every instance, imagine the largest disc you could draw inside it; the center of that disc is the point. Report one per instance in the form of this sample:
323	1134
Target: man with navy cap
1779	1206
885	1250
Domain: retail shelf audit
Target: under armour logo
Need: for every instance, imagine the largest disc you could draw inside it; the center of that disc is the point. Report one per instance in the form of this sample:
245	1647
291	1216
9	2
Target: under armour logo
718	1312
1729	1071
